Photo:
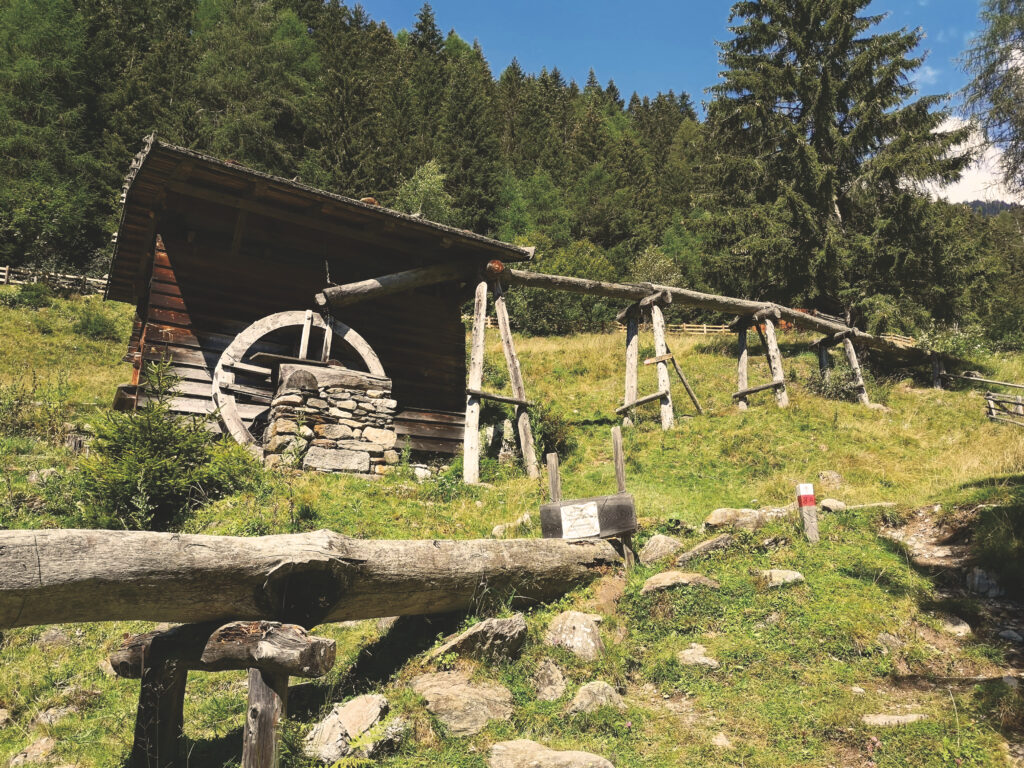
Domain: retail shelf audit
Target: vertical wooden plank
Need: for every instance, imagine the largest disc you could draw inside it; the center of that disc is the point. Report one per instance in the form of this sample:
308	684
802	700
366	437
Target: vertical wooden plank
775	363
632	361
515	375
619	459
664	383
268	700
824	360
554	479
307	325
741	366
858	377
159	719
471	439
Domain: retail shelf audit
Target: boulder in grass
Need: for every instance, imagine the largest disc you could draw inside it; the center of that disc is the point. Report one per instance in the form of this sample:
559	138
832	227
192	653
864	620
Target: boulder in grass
490	640
891	721
329	740
673	579
745	519
779	577
697	656
594	695
659	547
463	707
523	753
548	681
721	541
576	632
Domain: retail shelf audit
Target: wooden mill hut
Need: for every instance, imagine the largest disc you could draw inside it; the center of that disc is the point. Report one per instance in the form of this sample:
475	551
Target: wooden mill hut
206	247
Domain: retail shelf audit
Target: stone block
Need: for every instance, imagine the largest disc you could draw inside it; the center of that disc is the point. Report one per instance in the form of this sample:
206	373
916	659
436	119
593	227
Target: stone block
336	460
334	431
391	457
384	437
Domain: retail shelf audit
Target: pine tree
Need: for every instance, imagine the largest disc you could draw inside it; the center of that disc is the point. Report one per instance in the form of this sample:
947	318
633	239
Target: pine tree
815	133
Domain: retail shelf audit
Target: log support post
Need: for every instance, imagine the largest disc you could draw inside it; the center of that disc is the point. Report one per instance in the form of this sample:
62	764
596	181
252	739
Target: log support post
632	359
664	383
159	719
858	376
824	359
471	438
938	369
742	377
515	375
267	705
767	318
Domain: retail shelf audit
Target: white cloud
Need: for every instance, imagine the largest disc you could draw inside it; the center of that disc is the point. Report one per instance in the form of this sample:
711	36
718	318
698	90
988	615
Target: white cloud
926	75
982	180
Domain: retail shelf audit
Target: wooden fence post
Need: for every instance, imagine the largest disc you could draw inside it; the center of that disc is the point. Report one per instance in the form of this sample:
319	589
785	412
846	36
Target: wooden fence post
268	700
471	438
775	363
858	377
632	360
664	384
741	366
554	478
515	375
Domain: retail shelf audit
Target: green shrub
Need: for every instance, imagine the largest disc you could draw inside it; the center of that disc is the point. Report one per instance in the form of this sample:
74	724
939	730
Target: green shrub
148	467
96	324
30	295
35	408
551	432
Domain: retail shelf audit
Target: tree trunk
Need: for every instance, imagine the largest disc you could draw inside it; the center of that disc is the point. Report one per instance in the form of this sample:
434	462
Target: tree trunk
64	575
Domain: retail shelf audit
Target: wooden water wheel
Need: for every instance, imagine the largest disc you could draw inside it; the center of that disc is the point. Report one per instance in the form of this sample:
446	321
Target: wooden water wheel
245	370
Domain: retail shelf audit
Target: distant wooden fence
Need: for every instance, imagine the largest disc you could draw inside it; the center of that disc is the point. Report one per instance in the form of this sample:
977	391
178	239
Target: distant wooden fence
79	283
702	329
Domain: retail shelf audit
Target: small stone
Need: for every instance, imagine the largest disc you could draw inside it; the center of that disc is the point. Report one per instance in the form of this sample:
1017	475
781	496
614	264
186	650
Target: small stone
330	738
746	519
1010	681
777	577
578	633
523	753
284	427
391	457
832	505
326	459
671	579
345	405
5	718
421	473
306	433
500	530
721	541
829	479
333	431
383	437
983	583
316	402
490	640
106	668
286	400
956	627
37	752
548	681
373	393
388	741
464	707
51	715
856	690
594	695
659	547
280	443
1011	635
53	637
696	656
889	642
721	741
879	407
888	721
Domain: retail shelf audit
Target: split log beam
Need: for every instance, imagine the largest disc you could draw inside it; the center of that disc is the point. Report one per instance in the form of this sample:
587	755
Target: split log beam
768	313
661	349
304	579
471	438
655	299
337	296
641	401
500	398
632	354
515	375
858	377
658	359
741	366
742	394
775	362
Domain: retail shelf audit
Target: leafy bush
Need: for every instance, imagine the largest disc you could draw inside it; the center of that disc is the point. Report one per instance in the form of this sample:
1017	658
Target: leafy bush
963	342
552	432
30	296
96	324
148	467
839	385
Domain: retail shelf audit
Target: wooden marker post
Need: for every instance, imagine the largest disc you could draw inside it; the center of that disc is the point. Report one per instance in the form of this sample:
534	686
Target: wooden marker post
515	375
742	382
808	511
632	359
471	439
664	383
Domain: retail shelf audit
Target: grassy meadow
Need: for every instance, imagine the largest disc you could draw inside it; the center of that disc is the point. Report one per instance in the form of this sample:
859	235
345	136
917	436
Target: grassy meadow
791	659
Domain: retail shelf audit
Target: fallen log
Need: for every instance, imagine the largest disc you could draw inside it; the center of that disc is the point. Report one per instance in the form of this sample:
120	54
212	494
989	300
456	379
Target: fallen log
64	575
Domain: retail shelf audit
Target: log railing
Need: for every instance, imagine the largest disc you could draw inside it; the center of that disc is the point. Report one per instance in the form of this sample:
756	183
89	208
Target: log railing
79	283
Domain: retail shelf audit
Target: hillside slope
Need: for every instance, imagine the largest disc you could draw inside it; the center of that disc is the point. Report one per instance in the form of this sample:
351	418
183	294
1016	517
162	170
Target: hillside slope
866	633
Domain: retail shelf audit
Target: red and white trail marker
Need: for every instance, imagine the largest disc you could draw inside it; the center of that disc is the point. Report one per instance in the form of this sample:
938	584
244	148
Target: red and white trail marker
808	510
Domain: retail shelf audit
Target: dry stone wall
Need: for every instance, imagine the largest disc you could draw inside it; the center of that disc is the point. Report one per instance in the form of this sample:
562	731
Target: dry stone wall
332	419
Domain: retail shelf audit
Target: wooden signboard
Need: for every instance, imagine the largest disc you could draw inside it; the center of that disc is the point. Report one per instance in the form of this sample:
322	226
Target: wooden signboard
597	517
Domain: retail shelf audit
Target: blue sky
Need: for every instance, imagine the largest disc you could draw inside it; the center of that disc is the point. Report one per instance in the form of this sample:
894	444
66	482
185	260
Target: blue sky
656	45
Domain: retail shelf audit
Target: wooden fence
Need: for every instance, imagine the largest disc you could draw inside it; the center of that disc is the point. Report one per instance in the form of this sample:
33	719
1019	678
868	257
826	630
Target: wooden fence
704	329
78	283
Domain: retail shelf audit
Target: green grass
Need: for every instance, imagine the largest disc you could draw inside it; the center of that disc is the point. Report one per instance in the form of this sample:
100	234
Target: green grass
788	657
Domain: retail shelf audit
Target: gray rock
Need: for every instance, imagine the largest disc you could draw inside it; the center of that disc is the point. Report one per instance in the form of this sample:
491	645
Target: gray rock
42	476
500	530
36	752
746	519
463	707
721	541
889	721
51	715
523	753
383	437
956	626
391	457
360	446
490	640
52	638
659	547
421	473
329	740
671	579
280	443
594	695
548	681
832	505
983	583
287	400
5	718
576	632
778	577
829	479
697	656
330	460
334	431
856	690
889	642
386	742
1011	635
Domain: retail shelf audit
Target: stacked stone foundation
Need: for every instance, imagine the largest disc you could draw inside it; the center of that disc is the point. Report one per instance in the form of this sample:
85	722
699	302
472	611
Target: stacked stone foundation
331	419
